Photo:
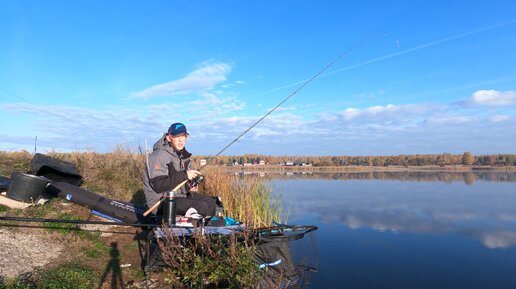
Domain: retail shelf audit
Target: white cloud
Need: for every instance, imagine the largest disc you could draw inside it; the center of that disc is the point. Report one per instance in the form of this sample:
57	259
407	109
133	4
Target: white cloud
198	81
68	127
389	112
392	128
350	113
500	118
494	98
381	109
284	124
454	119
283	108
86	122
218	103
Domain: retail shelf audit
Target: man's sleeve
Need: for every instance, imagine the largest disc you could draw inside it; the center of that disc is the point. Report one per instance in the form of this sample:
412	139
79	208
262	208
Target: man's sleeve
163	177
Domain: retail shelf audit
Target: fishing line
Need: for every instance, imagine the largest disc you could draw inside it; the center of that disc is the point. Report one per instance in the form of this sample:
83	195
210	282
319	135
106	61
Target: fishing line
36	108
393	37
11	93
305	83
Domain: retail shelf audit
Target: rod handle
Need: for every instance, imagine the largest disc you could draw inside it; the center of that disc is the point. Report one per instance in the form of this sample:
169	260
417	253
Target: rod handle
161	200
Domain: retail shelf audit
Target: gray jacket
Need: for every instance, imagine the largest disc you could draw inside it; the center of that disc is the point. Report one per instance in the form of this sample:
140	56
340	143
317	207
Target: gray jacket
165	170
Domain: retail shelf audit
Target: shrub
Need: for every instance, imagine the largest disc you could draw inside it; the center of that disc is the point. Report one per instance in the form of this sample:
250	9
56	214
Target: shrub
218	261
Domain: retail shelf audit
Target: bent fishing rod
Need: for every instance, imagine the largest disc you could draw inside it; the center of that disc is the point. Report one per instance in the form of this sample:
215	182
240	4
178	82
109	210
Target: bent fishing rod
303	85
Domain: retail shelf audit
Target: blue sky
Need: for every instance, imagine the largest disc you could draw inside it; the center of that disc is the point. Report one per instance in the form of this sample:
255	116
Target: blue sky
428	76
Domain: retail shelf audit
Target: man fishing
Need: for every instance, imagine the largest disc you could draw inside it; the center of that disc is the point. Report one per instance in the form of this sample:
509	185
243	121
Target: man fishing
168	166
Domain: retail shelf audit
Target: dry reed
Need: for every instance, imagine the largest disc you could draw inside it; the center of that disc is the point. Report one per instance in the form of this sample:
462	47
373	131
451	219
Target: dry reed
119	175
250	200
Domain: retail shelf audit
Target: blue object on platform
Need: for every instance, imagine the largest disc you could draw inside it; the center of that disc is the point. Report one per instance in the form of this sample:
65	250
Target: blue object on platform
106	216
271	264
229	221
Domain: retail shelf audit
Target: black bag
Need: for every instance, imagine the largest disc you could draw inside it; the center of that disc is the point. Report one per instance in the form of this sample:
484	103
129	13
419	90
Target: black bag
4	184
55	169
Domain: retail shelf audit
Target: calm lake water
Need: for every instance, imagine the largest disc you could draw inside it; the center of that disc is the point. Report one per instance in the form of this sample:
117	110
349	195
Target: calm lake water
405	230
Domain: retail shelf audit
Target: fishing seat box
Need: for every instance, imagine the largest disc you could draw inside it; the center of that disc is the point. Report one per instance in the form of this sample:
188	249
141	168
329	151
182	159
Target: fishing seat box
55	169
26	188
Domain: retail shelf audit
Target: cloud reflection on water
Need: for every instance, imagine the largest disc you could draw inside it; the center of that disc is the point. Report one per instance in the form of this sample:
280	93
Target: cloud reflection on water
483	211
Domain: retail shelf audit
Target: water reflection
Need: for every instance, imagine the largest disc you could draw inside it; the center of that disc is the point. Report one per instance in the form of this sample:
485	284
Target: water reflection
418	176
483	211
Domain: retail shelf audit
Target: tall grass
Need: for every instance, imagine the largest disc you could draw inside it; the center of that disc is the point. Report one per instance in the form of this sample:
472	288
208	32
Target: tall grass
250	200
119	175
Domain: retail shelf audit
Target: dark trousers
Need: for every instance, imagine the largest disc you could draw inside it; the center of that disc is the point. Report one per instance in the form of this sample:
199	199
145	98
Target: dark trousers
204	204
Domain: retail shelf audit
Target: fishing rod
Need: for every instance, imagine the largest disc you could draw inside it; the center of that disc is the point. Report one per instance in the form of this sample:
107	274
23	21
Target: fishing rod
303	85
78	222
278	231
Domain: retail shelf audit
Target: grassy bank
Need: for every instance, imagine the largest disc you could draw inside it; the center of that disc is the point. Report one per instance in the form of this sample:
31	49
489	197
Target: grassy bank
67	276
118	175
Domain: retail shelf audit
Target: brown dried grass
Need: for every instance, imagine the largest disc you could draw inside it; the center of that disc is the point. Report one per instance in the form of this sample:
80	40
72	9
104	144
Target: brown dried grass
119	175
250	200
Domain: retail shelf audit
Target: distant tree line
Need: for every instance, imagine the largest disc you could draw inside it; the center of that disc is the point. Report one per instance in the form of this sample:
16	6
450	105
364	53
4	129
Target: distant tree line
445	159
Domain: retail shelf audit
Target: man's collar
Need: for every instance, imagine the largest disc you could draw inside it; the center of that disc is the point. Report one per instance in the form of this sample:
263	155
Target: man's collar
182	153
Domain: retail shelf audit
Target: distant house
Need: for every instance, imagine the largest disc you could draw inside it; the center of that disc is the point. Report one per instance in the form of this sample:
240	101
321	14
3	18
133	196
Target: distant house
247	164
289	163
203	162
261	163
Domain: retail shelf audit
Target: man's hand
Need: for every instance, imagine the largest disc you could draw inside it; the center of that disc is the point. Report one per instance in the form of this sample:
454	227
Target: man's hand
194	189
192	174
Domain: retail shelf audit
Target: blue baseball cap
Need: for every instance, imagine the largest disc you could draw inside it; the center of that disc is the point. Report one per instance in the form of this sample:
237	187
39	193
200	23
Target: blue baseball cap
177	128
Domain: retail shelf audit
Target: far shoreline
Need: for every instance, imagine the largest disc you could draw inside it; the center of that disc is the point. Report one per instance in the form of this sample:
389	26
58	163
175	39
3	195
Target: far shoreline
352	169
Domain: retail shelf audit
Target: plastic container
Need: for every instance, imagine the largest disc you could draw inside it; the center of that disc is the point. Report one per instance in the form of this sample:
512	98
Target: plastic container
25	187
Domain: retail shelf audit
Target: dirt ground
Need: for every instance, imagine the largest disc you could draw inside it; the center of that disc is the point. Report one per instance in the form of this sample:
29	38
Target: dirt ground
26	247
22	251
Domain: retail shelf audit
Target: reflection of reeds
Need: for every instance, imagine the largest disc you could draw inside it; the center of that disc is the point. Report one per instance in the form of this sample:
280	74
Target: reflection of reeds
250	200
